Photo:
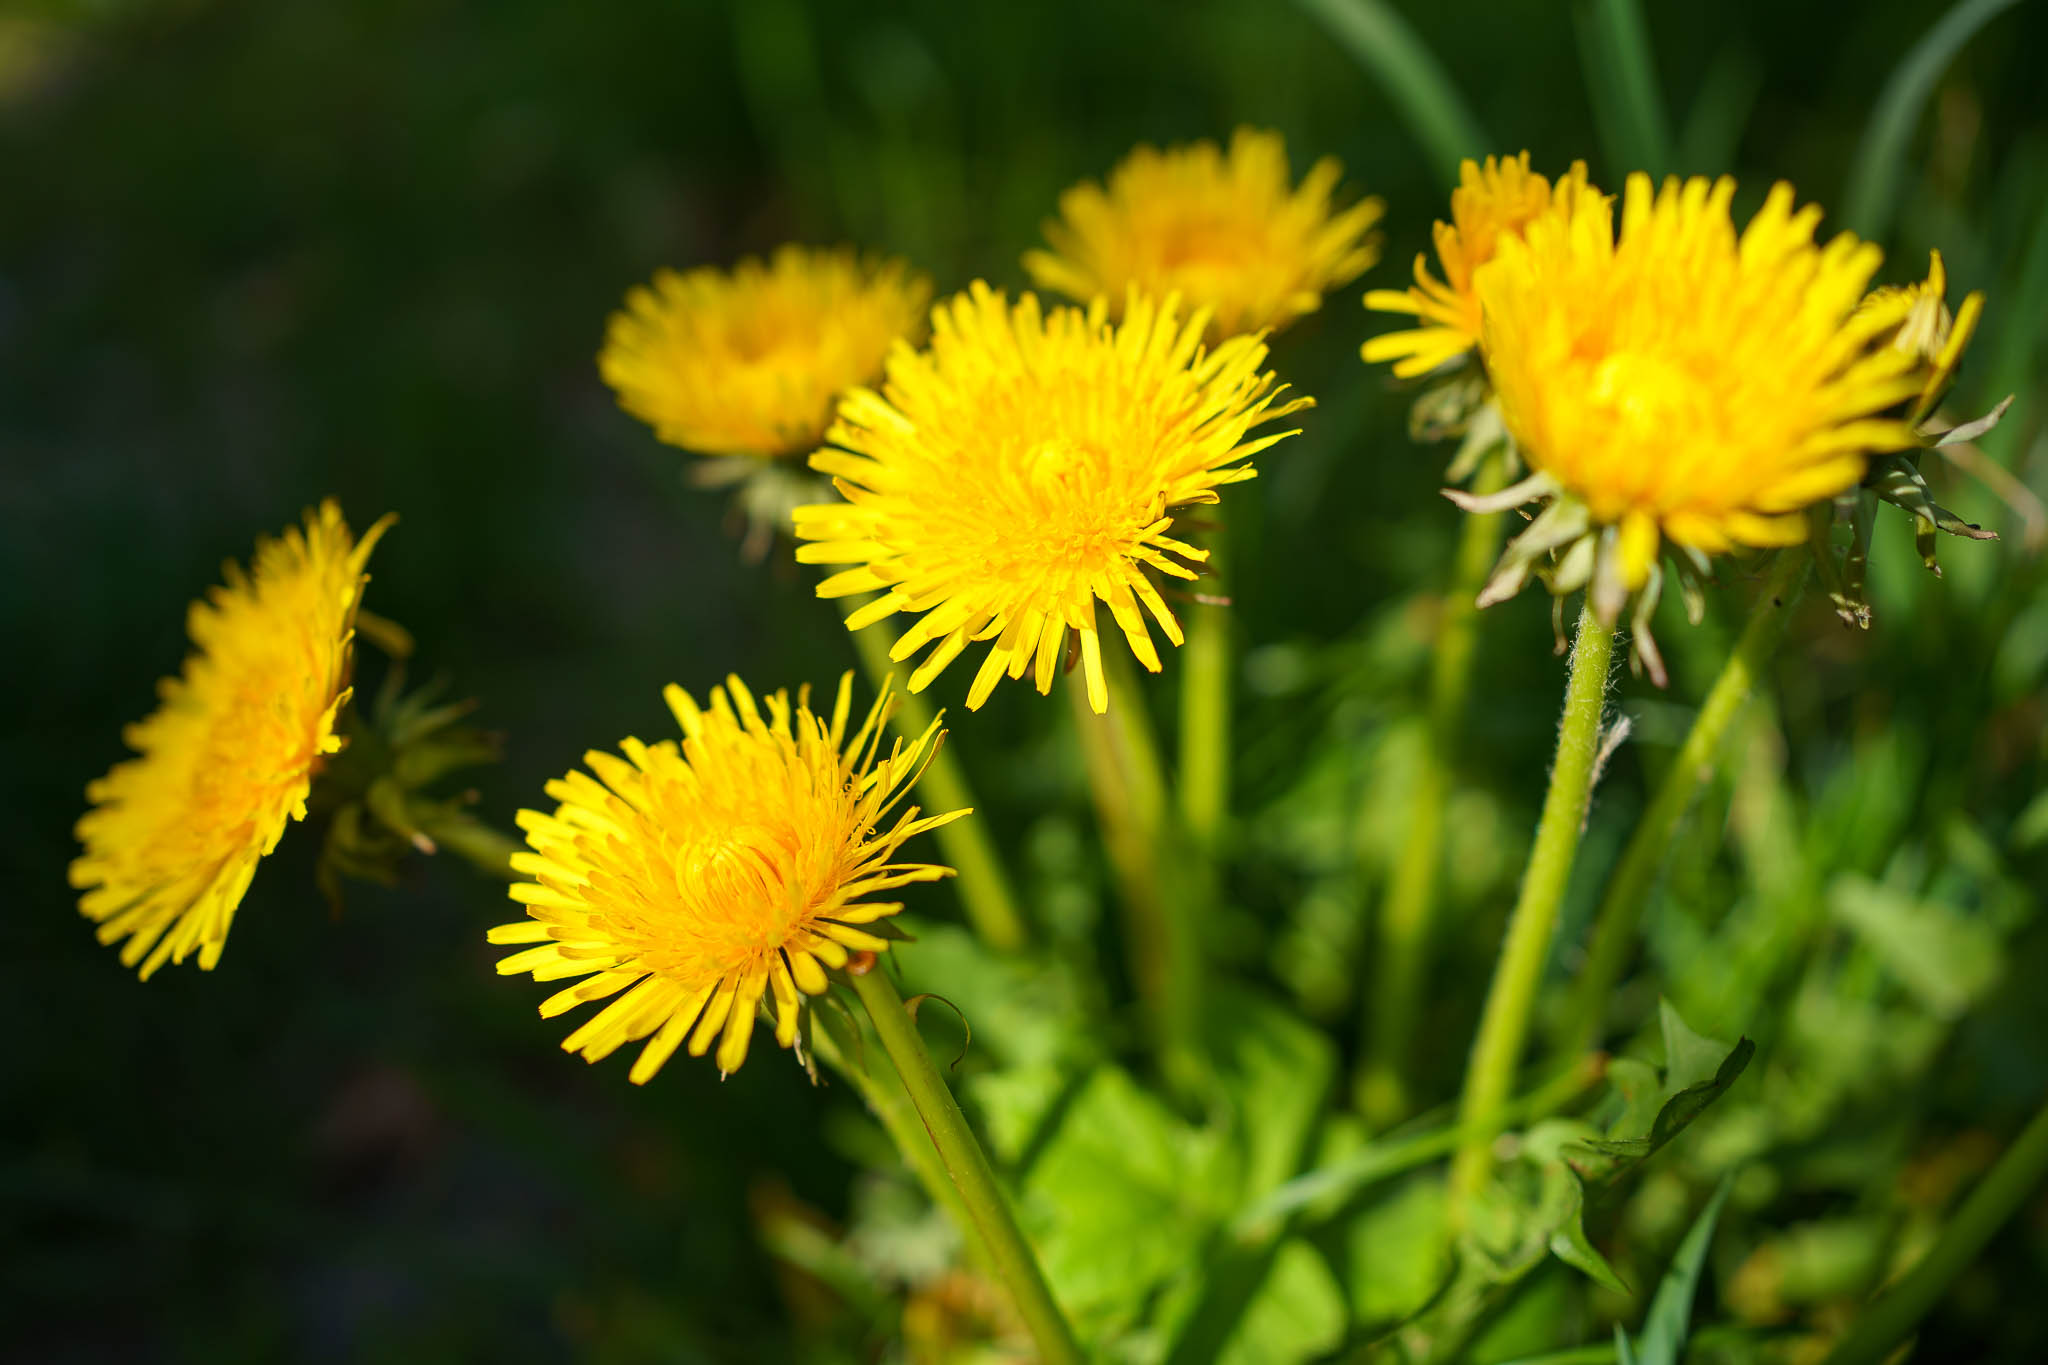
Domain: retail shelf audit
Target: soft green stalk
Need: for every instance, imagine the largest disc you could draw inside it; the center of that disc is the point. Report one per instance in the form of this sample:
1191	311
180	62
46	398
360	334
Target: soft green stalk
1628	888
487	849
1205	716
984	887
967	1168
1873	192
1407	919
1512	998
882	1089
1410	76
1995	1200
1129	787
1622	76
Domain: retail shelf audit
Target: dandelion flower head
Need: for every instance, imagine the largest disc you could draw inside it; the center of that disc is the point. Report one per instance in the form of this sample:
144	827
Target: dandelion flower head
1492	202
226	760
1686	383
1228	231
698	877
749	362
1028	465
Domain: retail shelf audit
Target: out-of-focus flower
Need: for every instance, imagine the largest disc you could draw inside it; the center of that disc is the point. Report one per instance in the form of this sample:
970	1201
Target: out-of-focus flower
1493	202
750	362
1225	231
226	760
699	877
1028	465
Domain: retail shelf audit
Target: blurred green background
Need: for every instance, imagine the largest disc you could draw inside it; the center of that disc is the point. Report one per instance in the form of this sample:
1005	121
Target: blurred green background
254	254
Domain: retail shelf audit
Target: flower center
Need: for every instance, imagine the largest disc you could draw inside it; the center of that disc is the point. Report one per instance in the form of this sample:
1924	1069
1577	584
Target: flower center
1062	466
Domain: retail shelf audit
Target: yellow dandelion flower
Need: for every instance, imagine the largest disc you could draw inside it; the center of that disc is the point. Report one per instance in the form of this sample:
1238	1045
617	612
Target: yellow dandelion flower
1684	384
699	877
1228	231
750	362
1025	467
227	758
1493	202
1927	331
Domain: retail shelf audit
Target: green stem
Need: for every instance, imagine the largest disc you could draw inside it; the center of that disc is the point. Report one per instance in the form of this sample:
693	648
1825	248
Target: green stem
1406	920
1205	712
967	1167
1158	893
984	888
486	849
1512	997
1997	1197
1410	76
1628	889
882	1090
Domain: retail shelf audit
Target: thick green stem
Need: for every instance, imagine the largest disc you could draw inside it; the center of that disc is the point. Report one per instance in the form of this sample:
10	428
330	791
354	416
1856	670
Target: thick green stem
1155	889
1205	713
1512	998
984	887
1628	889
967	1167
1406	920
1997	1197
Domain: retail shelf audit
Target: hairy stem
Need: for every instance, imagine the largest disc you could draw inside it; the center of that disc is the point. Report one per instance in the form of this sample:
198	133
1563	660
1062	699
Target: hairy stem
1504	1025
1621	905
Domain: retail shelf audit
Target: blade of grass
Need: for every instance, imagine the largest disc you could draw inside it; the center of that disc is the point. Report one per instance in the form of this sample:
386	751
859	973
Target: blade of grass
1873	191
1720	112
1669	1320
1621	76
1998	1197
1411	77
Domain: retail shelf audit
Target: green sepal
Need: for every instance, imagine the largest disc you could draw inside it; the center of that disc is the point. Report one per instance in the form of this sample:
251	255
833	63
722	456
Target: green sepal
1898	481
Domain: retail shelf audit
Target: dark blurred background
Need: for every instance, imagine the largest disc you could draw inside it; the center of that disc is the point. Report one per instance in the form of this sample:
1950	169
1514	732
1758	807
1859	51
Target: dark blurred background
254	254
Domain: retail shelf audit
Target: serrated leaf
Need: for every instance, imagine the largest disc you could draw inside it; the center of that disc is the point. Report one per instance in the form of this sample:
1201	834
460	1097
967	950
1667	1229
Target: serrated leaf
1689	1058
1571	1245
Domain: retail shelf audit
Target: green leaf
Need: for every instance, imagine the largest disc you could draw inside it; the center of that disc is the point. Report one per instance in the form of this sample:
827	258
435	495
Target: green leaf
1396	1257
1121	1200
1689	1058
1945	957
1273	1070
1297	1314
1670	1315
1570	1243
